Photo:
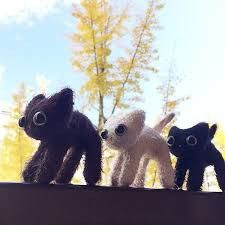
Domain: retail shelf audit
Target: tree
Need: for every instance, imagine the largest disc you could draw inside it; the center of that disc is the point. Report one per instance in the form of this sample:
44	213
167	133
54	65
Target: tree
170	103
17	147
112	80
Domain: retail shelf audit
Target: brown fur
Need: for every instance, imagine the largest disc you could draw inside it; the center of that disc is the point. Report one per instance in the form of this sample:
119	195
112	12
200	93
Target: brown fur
64	133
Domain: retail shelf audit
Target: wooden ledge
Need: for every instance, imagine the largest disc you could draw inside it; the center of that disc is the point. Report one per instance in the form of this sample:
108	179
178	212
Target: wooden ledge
33	204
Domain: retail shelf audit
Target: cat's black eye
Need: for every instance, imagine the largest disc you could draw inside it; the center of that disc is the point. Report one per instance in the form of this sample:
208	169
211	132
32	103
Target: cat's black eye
121	129
104	134
39	119
170	140
191	140
22	121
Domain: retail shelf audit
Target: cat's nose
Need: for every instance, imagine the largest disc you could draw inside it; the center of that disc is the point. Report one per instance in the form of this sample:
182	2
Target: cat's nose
179	146
104	134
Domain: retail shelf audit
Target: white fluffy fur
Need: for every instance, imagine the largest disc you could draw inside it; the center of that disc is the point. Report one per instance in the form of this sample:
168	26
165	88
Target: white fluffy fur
136	147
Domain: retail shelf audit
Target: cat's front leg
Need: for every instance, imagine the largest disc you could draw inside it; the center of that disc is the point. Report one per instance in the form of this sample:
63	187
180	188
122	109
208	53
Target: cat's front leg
30	171
50	164
180	172
69	166
139	180
130	168
118	165
195	178
219	167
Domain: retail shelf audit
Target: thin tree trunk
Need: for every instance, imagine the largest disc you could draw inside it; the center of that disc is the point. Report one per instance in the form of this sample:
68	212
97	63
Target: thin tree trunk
132	63
154	178
100	111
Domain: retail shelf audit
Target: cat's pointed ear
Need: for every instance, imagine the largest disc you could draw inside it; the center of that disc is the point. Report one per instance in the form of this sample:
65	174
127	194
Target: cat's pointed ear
36	99
203	125
135	121
65	95
141	114
203	130
64	98
173	130
61	103
212	131
138	116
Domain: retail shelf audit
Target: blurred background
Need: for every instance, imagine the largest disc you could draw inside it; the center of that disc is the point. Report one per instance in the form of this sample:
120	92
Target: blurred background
160	56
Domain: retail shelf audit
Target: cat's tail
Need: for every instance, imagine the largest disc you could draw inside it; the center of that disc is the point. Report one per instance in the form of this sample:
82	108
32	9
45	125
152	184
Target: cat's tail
160	125
212	131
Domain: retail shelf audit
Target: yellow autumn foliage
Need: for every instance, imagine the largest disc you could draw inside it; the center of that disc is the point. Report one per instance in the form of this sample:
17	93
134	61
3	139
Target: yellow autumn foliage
111	78
16	147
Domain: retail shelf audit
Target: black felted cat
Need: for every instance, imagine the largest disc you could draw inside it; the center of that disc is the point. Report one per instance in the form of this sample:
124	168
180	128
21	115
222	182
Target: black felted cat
65	135
195	151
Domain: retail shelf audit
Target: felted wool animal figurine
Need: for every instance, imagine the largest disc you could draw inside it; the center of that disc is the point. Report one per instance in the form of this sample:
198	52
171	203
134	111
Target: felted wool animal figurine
65	135
195	151
137	144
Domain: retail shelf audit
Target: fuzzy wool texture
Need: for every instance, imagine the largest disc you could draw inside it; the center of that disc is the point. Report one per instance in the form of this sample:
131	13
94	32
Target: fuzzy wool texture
195	157
137	146
65	135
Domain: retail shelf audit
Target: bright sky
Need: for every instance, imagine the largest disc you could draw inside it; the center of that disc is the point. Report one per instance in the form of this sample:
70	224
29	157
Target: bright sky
34	46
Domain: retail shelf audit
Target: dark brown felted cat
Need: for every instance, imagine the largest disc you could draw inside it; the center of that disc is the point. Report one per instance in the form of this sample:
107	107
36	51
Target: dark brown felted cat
65	135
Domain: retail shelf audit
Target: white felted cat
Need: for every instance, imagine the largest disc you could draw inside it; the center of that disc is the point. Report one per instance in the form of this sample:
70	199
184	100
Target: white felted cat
137	144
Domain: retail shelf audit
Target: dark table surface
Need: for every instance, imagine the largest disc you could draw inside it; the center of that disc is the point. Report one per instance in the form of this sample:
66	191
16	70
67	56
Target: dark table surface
33	204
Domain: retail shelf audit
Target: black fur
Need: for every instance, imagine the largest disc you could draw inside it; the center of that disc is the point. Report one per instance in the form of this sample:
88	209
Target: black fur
65	136
196	158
